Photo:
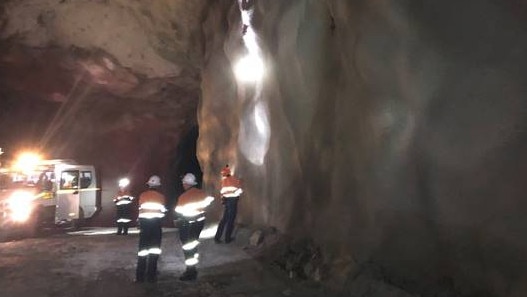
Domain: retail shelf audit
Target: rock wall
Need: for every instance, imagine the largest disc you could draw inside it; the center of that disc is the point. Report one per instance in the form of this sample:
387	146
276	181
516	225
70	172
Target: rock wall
390	132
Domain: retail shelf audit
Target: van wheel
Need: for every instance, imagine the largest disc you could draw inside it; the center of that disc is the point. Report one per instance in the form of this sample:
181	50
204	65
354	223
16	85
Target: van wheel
33	227
76	224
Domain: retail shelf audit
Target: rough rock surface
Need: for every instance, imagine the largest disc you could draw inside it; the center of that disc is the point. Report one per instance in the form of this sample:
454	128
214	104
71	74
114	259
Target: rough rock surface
392	133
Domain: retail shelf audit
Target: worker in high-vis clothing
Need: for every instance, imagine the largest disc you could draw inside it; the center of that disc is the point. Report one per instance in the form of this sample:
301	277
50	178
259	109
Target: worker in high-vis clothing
190	211
151	212
231	190
123	204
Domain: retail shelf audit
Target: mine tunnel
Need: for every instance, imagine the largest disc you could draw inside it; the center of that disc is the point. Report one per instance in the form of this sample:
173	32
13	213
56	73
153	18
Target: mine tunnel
391	134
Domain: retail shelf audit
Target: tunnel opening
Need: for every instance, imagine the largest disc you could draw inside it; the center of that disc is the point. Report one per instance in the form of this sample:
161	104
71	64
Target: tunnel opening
184	160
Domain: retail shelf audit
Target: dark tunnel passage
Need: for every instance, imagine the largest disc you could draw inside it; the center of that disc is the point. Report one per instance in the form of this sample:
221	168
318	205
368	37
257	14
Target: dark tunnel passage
184	160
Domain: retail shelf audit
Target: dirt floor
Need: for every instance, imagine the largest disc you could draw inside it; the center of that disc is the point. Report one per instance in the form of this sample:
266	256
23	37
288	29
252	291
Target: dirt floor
96	262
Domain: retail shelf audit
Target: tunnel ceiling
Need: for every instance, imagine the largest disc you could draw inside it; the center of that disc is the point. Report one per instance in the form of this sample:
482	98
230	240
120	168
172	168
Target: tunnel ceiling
121	68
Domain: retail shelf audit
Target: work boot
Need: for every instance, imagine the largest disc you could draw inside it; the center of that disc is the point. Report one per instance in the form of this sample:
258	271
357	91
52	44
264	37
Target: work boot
189	275
119	229
140	270
151	270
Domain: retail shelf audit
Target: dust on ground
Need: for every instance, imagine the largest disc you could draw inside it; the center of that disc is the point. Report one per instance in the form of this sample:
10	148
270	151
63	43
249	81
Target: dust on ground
96	262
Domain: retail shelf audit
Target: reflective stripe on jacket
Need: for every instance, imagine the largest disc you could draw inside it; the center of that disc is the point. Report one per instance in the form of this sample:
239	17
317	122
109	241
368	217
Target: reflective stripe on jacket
123	197
193	202
230	187
151	204
123	200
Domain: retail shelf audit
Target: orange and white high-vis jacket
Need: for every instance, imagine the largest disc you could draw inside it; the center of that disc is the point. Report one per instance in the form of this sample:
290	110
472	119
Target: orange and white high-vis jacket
193	202
123	197
151	204
230	187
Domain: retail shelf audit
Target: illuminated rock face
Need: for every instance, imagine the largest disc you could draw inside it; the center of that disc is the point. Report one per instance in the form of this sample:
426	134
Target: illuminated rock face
391	133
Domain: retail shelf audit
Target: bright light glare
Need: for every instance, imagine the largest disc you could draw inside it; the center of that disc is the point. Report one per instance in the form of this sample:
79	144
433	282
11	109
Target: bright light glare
20	205
26	162
255	134
260	120
249	68
123	182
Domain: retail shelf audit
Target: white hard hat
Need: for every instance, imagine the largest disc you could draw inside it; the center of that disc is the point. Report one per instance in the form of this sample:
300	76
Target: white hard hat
154	181
189	179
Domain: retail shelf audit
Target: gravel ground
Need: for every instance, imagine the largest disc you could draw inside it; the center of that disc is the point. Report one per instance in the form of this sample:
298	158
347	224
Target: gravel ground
96	262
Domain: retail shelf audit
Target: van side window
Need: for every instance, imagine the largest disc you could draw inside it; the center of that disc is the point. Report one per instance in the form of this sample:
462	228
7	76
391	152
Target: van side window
86	179
69	180
44	182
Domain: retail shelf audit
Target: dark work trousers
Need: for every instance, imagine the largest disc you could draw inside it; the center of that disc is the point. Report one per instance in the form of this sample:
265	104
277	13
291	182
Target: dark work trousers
227	221
189	232
124	217
149	249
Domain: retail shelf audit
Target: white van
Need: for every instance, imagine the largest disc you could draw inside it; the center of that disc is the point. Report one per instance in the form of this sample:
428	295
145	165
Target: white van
70	190
54	192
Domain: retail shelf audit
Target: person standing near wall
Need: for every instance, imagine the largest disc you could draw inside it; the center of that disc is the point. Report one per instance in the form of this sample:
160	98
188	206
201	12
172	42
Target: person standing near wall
190	210
230	194
151	212
123	204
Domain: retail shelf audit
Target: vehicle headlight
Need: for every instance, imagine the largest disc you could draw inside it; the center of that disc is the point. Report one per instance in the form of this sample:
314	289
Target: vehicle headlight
20	205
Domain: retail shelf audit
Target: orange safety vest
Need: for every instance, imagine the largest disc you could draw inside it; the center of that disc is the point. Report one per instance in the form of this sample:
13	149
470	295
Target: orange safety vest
193	202
230	187
123	197
151	204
